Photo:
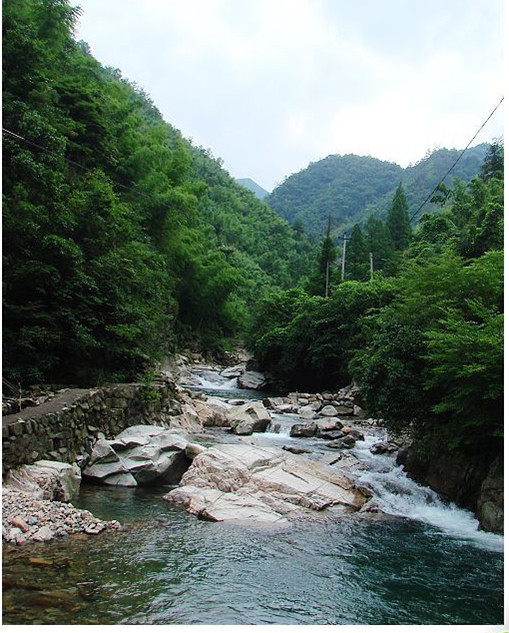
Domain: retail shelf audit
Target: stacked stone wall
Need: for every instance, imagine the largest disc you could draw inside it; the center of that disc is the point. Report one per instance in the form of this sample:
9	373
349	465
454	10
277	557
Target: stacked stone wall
68	432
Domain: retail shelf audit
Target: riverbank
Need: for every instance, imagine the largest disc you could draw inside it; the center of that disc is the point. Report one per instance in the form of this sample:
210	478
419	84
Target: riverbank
26	519
315	417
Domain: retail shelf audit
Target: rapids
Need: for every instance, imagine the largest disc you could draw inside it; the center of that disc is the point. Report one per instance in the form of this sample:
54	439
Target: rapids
419	561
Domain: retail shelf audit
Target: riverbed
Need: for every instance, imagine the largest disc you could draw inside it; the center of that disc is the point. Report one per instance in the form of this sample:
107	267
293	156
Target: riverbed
420	561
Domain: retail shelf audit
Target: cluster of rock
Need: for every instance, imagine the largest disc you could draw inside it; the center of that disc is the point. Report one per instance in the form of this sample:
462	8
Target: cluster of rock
186	369
141	455
225	482
66	427
35	504
244	483
344	403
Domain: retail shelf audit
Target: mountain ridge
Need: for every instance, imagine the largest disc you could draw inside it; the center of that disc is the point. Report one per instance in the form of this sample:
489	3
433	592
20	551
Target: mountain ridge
349	188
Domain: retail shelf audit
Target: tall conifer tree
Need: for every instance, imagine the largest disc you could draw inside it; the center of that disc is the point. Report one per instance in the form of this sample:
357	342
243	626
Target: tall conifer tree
398	221
357	256
380	244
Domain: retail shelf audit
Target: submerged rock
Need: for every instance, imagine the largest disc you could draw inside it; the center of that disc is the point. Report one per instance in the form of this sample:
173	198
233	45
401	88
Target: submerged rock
239	482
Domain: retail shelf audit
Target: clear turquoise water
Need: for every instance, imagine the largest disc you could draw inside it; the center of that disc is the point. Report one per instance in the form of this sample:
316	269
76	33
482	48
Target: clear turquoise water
167	567
422	563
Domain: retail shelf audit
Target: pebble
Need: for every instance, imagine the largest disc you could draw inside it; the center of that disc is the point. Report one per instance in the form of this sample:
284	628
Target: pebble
26	519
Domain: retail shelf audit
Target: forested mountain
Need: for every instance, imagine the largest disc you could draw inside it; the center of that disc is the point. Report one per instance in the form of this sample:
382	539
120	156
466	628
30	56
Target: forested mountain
253	186
123	242
350	188
121	239
423	337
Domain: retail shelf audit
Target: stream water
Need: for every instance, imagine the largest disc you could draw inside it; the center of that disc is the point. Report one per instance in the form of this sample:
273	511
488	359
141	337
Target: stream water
420	562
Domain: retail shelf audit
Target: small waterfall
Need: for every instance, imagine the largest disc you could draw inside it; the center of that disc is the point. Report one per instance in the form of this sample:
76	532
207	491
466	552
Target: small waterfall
211	380
396	494
282	423
216	381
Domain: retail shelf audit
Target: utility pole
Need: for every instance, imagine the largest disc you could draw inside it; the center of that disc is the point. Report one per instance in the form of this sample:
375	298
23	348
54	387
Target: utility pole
343	255
371	265
327	267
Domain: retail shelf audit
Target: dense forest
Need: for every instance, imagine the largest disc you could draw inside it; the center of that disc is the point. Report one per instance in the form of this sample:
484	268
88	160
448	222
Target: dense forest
122	241
422	333
348	189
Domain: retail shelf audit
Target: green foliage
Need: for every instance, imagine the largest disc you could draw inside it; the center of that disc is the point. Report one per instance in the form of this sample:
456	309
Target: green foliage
426	345
339	187
351	188
398	221
434	358
148	392
307	342
380	243
325	274
357	256
121	239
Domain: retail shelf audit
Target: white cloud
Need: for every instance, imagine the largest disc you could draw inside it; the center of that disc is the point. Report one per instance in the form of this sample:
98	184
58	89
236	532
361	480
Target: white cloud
270	85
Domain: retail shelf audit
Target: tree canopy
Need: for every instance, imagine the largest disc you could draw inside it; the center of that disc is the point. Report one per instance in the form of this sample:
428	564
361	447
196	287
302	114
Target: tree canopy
121	239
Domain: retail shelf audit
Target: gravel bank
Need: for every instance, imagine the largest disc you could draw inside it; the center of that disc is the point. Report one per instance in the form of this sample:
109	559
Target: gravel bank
26	519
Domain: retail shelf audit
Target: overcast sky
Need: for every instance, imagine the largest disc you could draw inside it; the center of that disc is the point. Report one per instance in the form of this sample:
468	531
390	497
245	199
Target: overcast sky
271	85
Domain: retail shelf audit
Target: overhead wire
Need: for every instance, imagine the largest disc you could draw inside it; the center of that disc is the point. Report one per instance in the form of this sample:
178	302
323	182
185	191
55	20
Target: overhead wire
456	161
428	198
67	160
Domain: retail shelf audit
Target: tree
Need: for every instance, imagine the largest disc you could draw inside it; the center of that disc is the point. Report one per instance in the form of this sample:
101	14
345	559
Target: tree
398	222
325	275
380	243
357	256
493	166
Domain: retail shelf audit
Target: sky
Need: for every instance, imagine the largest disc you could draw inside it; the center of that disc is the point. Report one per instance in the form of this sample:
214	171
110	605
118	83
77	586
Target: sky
269	86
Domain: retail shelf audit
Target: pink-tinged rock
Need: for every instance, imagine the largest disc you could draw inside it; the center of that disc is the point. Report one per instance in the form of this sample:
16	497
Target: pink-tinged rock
241	482
43	534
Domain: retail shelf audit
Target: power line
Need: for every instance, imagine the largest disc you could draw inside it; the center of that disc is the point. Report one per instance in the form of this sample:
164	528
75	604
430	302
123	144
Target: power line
67	160
457	159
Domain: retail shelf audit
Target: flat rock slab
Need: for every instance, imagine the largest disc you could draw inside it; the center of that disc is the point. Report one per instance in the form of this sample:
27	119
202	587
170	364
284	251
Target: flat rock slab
241	482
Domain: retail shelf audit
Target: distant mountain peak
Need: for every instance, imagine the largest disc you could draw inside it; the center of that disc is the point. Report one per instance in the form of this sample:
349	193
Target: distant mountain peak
250	184
349	188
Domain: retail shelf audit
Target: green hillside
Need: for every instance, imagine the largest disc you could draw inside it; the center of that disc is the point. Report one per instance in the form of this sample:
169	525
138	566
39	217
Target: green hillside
122	241
350	188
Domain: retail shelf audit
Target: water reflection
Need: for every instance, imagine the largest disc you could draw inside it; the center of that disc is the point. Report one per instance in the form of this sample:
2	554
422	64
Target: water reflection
356	571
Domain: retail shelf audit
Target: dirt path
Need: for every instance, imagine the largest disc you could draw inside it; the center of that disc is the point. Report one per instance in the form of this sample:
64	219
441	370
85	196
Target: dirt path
64	399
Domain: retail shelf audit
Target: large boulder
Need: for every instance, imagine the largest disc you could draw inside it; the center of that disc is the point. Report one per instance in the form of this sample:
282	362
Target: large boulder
303	430
46	479
329	410
141	454
249	418
330	435
212	412
241	482
234	372
329	424
105	466
251	380
307	412
187	421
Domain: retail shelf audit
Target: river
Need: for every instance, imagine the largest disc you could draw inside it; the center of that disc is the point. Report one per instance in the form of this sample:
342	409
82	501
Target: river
420	562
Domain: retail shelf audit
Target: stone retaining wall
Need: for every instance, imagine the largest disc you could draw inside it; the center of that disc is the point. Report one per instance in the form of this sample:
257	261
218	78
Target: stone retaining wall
67	432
